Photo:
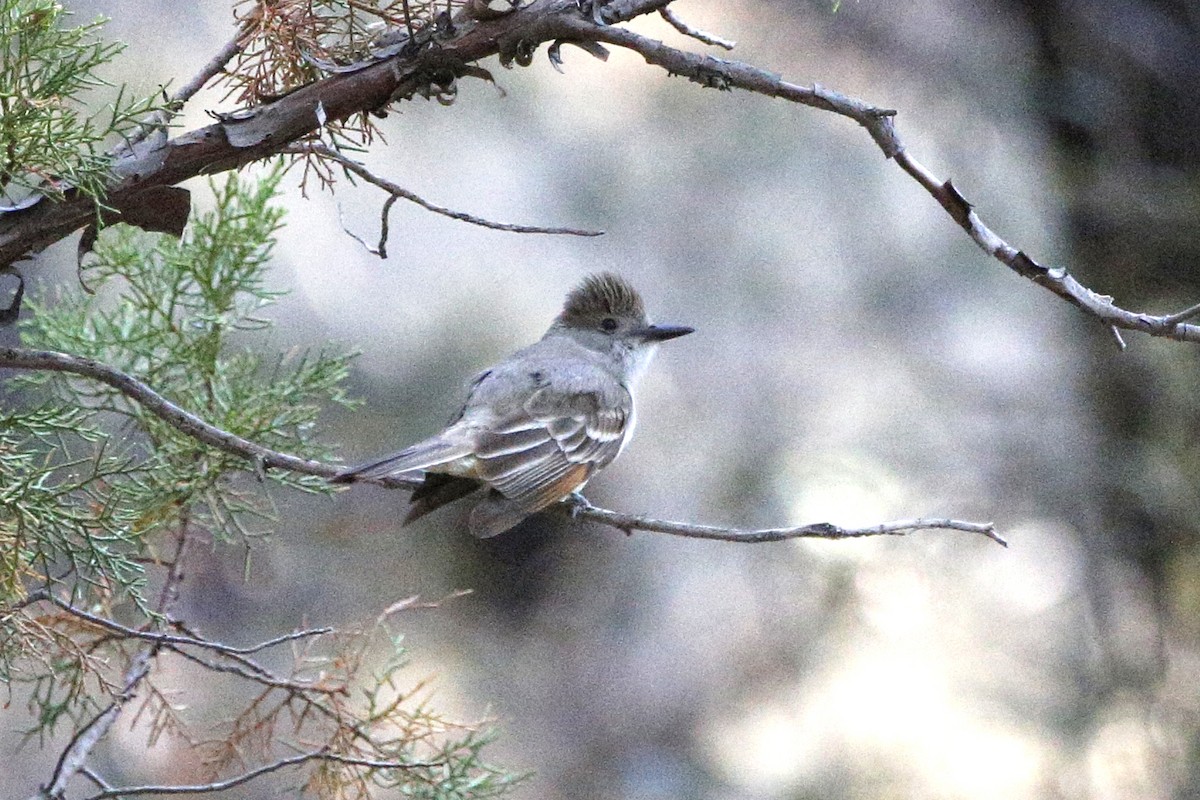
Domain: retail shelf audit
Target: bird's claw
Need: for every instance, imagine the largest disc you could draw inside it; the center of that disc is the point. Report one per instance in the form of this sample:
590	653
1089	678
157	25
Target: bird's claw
578	503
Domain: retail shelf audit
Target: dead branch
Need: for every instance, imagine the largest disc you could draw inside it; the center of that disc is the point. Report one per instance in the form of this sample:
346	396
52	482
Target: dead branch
687	30
719	73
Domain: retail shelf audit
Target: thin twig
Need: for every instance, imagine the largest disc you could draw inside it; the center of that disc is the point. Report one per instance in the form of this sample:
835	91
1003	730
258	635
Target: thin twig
215	65
260	676
95	777
1186	314
174	639
324	151
699	35
274	766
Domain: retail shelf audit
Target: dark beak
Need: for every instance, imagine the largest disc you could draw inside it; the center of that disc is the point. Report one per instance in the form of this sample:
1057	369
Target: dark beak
660	333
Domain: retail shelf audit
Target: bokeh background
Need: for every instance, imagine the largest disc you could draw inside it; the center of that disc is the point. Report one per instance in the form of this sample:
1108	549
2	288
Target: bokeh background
856	360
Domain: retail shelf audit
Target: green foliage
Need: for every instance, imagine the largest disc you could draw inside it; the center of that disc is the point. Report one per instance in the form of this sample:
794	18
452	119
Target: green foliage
97	496
48	140
92	472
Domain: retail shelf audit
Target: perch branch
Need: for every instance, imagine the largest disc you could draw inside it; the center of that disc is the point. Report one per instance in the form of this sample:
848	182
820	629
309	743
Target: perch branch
193	426
817	530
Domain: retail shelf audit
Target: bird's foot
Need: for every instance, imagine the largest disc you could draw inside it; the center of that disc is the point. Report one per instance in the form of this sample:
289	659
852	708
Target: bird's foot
578	503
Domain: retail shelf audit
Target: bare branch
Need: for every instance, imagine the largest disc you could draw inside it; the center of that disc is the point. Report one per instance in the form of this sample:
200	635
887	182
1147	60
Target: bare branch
266	769
255	133
699	35
880	124
396	191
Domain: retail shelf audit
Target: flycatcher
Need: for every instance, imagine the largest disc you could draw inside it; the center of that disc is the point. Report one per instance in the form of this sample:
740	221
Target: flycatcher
537	426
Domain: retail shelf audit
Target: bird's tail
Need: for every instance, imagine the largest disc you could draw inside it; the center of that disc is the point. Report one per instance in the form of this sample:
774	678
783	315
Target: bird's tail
495	514
422	455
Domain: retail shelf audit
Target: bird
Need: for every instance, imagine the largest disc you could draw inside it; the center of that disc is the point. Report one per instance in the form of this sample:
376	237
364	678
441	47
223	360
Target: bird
538	425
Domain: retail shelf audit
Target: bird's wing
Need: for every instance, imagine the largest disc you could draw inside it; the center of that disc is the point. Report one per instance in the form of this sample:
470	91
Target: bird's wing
563	433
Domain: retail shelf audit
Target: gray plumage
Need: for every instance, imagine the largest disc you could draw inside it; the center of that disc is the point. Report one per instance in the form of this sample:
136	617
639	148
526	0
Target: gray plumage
535	427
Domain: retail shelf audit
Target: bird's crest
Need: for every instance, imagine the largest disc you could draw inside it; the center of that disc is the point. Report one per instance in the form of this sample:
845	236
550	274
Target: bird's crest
603	294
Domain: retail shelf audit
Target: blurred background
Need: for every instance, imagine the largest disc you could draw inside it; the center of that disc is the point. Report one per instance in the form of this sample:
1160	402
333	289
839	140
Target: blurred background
857	359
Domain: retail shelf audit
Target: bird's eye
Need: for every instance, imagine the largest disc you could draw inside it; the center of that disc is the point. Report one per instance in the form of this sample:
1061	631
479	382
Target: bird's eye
608	324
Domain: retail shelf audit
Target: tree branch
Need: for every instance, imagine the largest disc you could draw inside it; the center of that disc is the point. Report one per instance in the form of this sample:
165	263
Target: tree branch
77	751
197	428
188	90
687	30
152	401
255	133
719	73
245	136
75	755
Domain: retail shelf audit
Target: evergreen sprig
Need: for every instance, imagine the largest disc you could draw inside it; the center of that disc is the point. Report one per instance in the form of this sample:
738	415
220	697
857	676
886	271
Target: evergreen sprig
95	492
49	140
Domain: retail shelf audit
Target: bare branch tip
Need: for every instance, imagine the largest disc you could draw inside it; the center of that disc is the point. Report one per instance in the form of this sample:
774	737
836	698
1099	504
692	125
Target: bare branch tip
1175	319
687	30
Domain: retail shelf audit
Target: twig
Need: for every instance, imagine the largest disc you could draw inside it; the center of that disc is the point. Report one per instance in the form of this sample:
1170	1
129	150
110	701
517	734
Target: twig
87	737
95	777
193	426
384	223
257	675
324	151
258	772
699	35
176	101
